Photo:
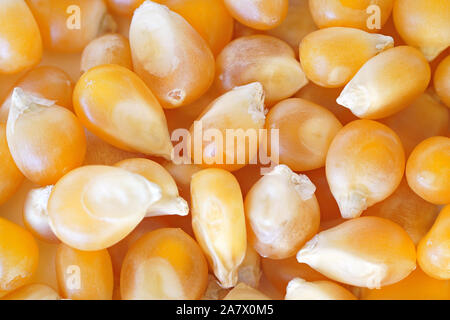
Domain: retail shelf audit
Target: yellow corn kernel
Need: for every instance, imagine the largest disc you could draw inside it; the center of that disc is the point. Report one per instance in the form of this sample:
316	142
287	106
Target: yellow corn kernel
125	7
164	264
442	81
33	292
417	286
10	176
365	164
245	292
108	49
411	212
423	24
387	83
241	110
422	119
428	170
84	275
69	25
263	59
305	132
282	213
21	40
378	250
331	57
433	251
50	83
299	289
169	55
94	207
297	24
35	214
218	221
258	14
250	269
351	13
46	140
170	203
19	255
116	105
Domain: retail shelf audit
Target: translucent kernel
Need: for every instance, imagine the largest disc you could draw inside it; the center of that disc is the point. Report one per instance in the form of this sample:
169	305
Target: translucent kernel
442	81
299	289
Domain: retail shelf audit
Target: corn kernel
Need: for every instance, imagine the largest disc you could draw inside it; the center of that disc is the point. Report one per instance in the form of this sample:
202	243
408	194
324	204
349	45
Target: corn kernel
164	264
365	164
218	221
442	81
250	269
125	7
33	292
46	140
299	289
245	292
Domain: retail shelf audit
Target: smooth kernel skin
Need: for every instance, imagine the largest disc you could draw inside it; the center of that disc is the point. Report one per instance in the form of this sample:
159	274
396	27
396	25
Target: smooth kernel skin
125	7
379	251
218	221
263	59
305	129
33	292
348	13
115	104
245	292
299	289
47	82
169	55
365	165
428	170
423	24
260	15
111	48
442	81
54	19
387	83
433	251
19	256
331	57
10	176
84	275
21	40
417	286
164	264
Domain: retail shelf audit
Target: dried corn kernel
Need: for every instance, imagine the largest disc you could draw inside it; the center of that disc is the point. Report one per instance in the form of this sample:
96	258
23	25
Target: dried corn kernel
258	14
428	170
33	292
331	57
250	269
46	140
164	264
69	25
423	24
108	49
94	207
282	213
10	176
113	103
264	59
245	292
218	221
50	83
19	255
411	212
378	250
170	203
305	133
125	7
84	275
422	119
442	81
235	116
433	251
351	13
387	83
169	55
35	214
21	44
365	164
299	289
